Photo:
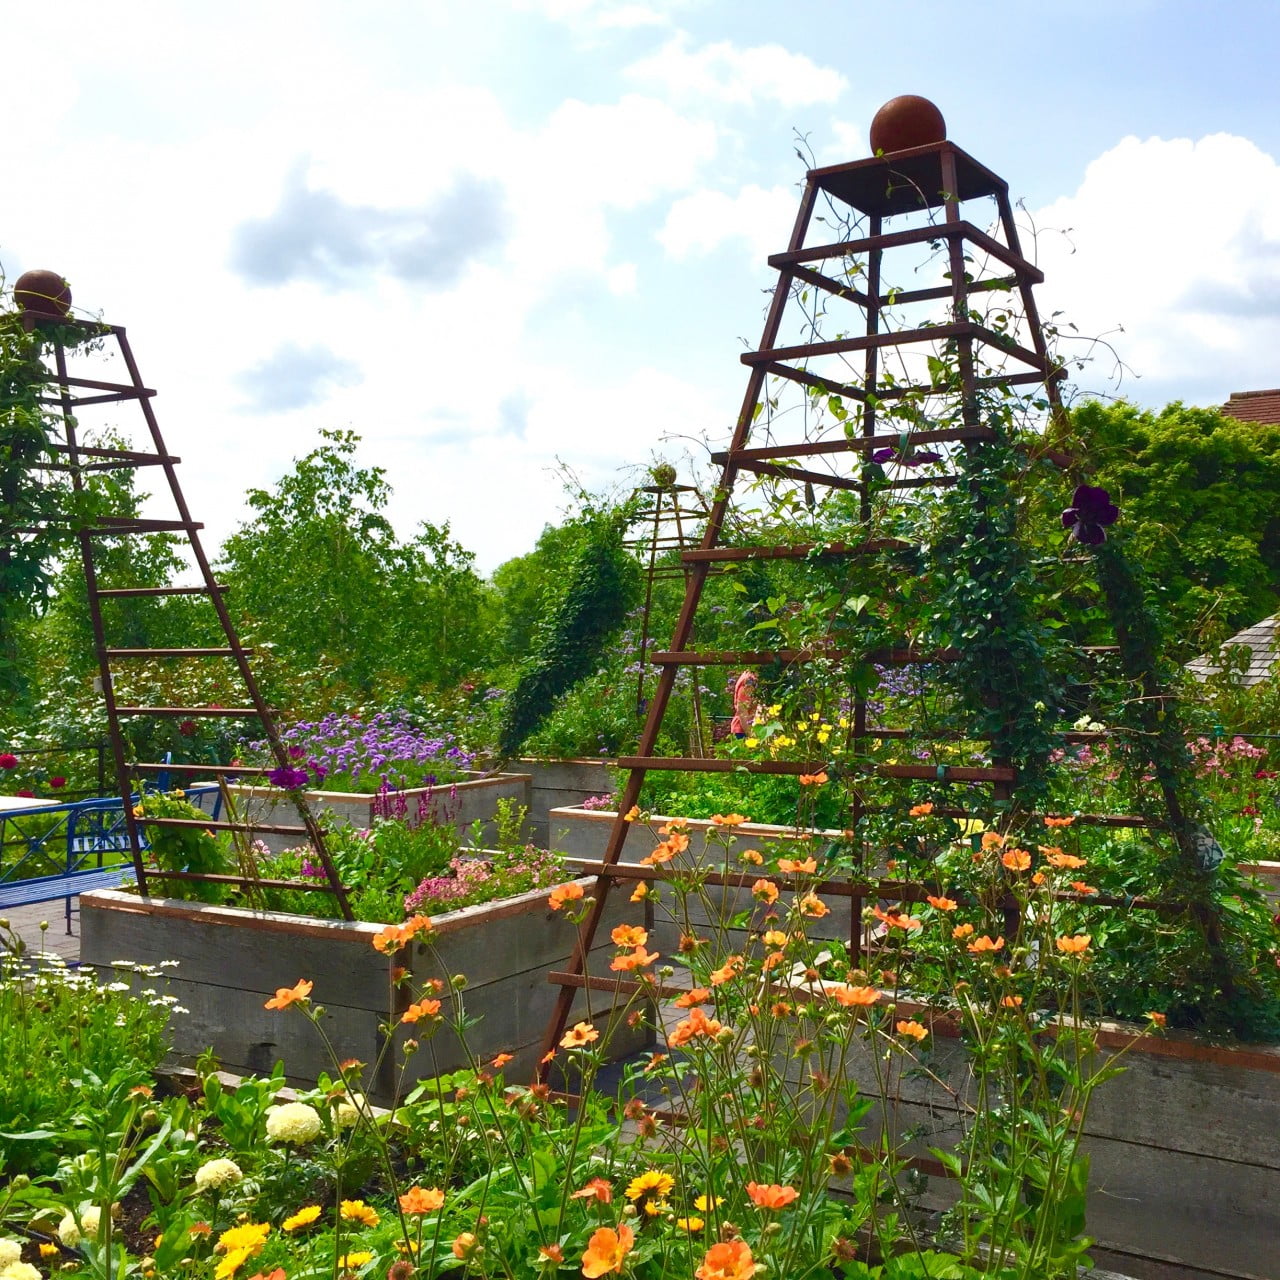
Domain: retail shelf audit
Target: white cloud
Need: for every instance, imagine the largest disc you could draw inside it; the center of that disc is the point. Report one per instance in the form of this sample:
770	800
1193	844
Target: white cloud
724	72
1178	242
759	218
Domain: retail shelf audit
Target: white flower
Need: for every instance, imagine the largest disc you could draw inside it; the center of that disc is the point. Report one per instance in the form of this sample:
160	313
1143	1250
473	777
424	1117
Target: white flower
213	1175
10	1251
86	1221
346	1111
294	1123
20	1271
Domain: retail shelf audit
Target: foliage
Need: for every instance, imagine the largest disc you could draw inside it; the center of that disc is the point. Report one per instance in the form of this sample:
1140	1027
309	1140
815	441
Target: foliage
184	848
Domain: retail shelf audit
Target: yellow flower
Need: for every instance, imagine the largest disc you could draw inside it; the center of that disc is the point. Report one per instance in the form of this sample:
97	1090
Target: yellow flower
705	1203
350	1261
691	1225
652	1184
251	1235
358	1211
303	1218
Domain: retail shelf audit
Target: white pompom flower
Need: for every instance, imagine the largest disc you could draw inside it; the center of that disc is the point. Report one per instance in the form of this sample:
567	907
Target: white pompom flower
294	1123
213	1175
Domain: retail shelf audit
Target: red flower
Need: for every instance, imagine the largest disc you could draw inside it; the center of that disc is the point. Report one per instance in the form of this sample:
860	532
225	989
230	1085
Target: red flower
187	728
8	761
26	794
57	782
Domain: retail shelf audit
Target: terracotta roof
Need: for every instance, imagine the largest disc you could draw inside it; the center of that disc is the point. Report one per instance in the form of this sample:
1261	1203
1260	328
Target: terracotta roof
1263	642
1254	406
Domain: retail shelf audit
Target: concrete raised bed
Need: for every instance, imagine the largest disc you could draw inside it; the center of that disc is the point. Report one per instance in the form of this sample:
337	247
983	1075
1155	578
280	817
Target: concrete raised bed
231	960
474	798
561	784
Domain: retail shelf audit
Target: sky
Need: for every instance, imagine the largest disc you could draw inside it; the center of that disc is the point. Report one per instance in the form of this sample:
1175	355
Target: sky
502	236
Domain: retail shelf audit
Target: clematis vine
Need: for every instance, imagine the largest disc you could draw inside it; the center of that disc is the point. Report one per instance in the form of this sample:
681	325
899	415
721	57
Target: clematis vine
1091	510
905	457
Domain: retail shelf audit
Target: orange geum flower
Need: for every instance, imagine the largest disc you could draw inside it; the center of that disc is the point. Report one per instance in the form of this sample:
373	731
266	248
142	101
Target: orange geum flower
629	935
1016	859
962	931
1074	946
637	959
631	814
895	919
607	1251
801	866
661	853
695	1025
727	971
941	904
596	1189
1011	1002
563	893
1038	878
920	810
285	996
992	840
986	943
1080	887
501	1061
911	1028
1058	822
813	906
699	995
552	1253
771	1195
464	1245
813	779
679	841
765	890
1157	1019
676	827
1056	858
419	1200
774	938
579	1036
753	856
423	1009
852	997
640	892
728	1260
728	819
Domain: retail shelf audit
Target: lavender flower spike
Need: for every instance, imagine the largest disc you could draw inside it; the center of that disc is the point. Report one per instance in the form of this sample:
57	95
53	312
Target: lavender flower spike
1090	511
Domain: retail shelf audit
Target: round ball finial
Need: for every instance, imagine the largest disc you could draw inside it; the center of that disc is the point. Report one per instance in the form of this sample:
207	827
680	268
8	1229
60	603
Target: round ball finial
907	121
43	293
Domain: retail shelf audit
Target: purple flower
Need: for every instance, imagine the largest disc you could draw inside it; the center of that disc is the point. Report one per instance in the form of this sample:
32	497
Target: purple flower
296	753
903	458
1090	511
287	778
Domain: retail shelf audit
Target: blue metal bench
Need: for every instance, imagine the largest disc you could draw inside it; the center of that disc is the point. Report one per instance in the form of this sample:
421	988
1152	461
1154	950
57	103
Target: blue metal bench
94	830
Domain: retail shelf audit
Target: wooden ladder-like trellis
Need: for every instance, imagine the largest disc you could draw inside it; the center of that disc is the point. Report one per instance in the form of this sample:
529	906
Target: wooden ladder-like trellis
68	392
957	359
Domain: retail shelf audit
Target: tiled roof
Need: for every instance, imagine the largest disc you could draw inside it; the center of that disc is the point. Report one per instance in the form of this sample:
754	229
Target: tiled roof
1263	641
1254	406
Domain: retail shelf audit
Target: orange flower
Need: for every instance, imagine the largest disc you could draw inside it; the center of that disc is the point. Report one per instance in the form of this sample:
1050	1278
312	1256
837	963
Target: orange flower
962	931
1080	887
695	1025
563	893
771	1196
607	1251
852	997
985	943
1158	1019
912	1029
941	904
1011	1002
1056	858
895	919
422	1200
1038	878
640	892
394	936
920	810
679	841
813	779
501	1061
579	1035
631	814
597	1189
629	935
753	856
690	999
285	996
992	840
729	1260
464	1245
728	819
1058	822
552	1253
637	959
774	938
727	971
802	867
813	906
423	1009
1075	945
661	853
765	890
1016	859
676	827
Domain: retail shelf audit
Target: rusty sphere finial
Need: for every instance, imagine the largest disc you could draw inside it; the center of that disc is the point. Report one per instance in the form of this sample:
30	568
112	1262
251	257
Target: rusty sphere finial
907	121
43	293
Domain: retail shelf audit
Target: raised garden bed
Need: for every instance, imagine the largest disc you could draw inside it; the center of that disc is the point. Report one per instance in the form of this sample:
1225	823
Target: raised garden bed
231	960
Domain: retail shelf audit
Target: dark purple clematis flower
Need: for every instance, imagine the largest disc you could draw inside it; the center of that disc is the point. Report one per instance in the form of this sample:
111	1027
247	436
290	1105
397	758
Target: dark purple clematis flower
1091	510
289	779
915	459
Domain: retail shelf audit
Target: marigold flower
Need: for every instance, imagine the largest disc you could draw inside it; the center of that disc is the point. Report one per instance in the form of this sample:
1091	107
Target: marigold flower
293	1123
813	906
770	1195
728	1260
1074	946
420	1200
213	1175
798	866
920	810
753	856
285	996
1016	859
596	1189
637	959
699	995
249	1235
579	1035
813	779
909	1027
358	1211
961	931
423	1009
305	1216
652	1184
707	1204
607	1250
728	819
986	943
941	904
563	893
350	1261
852	997
765	890
629	935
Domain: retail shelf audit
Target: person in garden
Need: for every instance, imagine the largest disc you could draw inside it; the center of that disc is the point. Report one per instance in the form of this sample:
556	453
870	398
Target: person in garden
744	704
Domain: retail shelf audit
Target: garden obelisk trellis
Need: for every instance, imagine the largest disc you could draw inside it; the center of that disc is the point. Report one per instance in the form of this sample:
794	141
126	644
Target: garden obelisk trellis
67	391
954	361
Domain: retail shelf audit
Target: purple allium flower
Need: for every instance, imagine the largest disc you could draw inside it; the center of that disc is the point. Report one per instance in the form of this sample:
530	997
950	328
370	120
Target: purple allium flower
1090	511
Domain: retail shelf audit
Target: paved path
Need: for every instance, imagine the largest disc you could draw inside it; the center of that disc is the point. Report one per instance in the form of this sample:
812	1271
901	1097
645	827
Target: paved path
26	922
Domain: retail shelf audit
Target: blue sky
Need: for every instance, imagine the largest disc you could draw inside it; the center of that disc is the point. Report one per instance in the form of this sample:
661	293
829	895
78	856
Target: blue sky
488	236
